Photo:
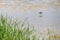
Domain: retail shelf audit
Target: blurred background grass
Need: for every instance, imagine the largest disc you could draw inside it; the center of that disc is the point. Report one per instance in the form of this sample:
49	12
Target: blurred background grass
15	30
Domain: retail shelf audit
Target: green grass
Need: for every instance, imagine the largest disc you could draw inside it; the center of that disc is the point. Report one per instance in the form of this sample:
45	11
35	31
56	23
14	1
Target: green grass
15	30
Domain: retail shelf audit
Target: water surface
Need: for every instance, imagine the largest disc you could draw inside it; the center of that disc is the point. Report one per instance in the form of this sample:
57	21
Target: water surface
30	9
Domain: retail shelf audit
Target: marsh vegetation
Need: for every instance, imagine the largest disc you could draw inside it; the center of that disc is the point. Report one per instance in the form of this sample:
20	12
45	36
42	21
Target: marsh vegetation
15	30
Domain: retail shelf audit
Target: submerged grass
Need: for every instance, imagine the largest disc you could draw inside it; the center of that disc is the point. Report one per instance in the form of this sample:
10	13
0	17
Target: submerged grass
16	30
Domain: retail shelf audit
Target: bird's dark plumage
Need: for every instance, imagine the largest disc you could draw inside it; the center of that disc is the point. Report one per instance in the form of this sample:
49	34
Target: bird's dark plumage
40	12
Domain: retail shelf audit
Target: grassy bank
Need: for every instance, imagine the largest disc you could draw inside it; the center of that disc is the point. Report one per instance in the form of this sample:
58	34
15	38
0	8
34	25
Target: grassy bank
16	30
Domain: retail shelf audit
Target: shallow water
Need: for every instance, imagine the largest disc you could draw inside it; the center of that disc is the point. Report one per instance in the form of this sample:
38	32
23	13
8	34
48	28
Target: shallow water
50	16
